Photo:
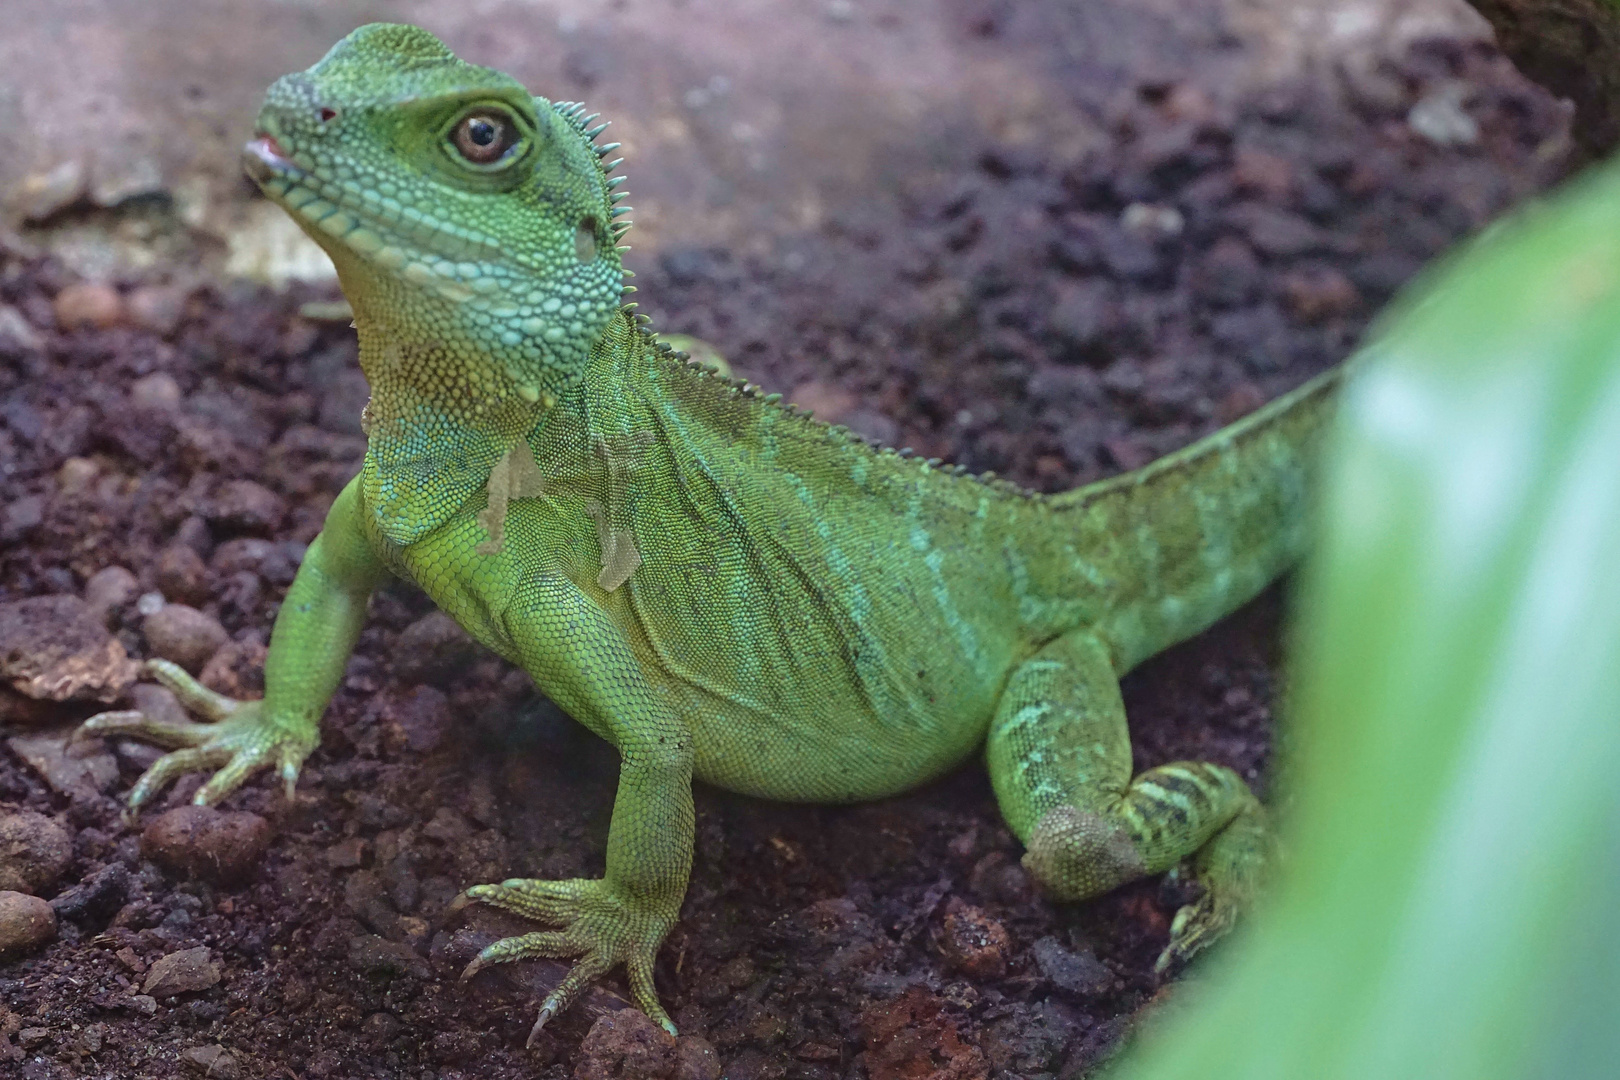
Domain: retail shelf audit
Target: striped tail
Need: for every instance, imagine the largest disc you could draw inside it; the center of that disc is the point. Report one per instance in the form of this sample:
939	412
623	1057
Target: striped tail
1187	539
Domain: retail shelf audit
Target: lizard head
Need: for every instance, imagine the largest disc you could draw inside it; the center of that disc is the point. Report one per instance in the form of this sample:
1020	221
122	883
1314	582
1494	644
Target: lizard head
457	208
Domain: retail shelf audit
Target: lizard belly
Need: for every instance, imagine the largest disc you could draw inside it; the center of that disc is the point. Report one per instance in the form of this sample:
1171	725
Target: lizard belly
830	752
801	693
791	691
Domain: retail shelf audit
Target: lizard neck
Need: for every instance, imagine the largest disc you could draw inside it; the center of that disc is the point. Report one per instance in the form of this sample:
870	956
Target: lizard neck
601	424
443	411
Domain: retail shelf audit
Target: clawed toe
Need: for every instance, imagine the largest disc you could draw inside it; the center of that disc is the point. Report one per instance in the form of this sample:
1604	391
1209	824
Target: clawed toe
1196	926
547	1011
600	929
238	740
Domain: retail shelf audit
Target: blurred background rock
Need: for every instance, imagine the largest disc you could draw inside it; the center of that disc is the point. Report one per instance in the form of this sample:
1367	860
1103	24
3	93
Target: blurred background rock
742	121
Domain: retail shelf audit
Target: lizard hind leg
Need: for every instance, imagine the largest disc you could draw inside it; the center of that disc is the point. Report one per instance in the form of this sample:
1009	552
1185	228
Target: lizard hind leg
1059	756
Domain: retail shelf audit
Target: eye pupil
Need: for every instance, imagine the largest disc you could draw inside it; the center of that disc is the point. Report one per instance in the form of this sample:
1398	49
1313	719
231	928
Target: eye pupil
484	137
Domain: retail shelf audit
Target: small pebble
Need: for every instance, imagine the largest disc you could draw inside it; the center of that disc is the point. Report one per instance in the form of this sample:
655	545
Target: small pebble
108	589
193	532
76	475
1154	221
236	670
246	507
157	391
422	716
21	711
136	757
26	924
183	634
373	955
56	648
624	1045
433	648
181	973
98	896
1239	402
212	1062
82	773
1440	117
16	330
1077	972
381	1027
157	308
1263	173
35	851
145	1004
695	1059
158	703
43	194
1318	294
349	854
182	575
973	942
223	846
88	304
21	517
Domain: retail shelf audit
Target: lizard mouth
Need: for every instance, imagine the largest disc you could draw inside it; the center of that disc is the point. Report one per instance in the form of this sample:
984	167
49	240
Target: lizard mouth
264	160
363	219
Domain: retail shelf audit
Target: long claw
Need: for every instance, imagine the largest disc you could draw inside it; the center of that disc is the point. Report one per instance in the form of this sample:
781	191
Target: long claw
170	766
603	931
239	740
226	780
192	694
543	901
545	944
588	970
547	1011
105	723
134	723
644	994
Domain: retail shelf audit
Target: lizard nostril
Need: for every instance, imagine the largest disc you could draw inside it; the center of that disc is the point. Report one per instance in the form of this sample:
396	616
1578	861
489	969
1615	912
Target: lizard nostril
326	114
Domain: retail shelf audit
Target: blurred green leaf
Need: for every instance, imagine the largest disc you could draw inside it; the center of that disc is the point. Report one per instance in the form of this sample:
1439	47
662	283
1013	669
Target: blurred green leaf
1454	854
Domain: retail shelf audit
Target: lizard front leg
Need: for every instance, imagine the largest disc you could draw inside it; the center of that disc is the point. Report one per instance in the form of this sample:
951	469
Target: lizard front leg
1059	757
315	631
580	657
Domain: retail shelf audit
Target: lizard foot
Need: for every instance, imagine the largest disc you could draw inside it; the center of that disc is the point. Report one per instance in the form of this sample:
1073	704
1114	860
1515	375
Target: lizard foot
1196	926
238	739
601	928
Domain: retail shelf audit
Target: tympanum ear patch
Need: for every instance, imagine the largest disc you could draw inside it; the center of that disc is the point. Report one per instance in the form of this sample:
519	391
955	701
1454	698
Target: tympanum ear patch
585	240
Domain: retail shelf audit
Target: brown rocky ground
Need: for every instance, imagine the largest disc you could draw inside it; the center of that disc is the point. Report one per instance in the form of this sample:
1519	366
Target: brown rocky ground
1052	317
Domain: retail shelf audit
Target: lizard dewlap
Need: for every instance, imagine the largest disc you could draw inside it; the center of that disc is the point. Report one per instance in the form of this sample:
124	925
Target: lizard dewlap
718	585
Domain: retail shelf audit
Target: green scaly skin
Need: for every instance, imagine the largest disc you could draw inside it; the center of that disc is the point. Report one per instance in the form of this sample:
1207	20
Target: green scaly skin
716	584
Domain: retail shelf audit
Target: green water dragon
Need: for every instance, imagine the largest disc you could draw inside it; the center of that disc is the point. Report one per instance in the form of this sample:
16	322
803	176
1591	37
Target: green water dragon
714	582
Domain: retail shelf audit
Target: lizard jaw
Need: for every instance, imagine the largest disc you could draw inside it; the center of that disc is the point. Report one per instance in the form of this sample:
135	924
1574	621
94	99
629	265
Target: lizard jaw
263	159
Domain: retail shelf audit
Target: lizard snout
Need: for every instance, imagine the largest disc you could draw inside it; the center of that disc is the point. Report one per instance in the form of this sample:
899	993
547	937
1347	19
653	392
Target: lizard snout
263	159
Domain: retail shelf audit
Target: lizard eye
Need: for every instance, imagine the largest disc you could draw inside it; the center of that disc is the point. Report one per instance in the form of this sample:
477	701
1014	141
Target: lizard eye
485	136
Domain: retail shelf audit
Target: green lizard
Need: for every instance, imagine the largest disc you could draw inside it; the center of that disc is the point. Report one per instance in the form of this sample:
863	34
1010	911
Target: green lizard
713	582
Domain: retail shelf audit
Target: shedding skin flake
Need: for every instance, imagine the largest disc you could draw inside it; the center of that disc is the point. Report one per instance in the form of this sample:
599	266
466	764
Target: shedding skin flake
619	555
515	476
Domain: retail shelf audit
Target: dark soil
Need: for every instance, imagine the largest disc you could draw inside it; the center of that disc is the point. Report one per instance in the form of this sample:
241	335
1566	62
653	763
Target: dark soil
1053	322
